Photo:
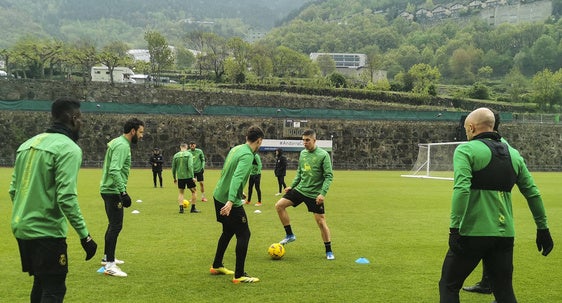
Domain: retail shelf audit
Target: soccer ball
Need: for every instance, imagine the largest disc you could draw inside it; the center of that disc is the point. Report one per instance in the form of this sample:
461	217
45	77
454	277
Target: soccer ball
185	203
276	251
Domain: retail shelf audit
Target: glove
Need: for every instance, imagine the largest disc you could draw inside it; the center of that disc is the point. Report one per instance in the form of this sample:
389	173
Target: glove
544	241
89	247
125	199
454	241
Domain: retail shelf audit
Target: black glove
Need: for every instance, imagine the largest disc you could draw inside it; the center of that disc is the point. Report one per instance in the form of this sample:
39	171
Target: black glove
89	247
544	241
125	199
454	241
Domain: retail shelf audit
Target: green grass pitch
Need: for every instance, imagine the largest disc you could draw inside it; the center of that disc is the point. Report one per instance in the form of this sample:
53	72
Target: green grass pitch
399	224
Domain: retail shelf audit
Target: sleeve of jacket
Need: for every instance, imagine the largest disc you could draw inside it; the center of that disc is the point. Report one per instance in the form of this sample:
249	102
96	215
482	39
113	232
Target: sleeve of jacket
120	153
66	183
328	174
240	176
529	190
462	183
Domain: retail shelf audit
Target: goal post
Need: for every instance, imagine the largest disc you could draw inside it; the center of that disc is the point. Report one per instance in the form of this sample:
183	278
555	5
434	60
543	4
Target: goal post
435	161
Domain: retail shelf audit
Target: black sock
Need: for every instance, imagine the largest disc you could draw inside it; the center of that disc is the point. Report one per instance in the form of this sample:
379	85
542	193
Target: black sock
288	229
328	246
192	206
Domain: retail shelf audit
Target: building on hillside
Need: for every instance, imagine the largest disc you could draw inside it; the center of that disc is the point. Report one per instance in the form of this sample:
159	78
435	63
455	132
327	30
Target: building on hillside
476	4
344	60
423	14
457	9
352	65
406	15
139	54
440	12
531	12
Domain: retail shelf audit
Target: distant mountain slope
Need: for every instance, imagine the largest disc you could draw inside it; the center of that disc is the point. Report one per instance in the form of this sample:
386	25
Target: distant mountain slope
126	20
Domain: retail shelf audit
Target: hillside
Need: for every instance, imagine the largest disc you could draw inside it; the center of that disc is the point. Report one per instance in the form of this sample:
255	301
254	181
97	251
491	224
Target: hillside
103	21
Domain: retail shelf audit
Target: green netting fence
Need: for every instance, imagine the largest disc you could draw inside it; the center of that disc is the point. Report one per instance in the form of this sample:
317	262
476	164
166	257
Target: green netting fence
221	110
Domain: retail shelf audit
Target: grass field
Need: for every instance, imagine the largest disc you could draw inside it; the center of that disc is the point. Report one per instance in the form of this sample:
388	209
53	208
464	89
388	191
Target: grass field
399	224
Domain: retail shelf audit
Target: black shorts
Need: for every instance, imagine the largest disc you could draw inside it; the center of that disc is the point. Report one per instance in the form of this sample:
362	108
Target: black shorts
43	256
297	198
183	183
199	176
236	218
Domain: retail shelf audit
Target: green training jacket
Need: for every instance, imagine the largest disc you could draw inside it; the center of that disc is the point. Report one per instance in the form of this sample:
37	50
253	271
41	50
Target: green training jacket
314	173
182	165
479	212
198	160
43	188
116	166
256	166
234	175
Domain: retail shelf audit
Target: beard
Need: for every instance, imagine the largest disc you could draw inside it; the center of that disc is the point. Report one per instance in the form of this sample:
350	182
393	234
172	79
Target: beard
135	139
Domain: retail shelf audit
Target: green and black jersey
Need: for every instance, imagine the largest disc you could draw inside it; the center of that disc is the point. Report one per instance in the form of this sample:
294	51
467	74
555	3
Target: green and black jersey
182	165
234	175
198	160
116	166
43	188
480	211
314	174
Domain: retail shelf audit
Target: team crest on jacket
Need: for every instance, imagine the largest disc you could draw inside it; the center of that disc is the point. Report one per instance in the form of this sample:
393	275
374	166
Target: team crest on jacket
244	220
62	260
120	204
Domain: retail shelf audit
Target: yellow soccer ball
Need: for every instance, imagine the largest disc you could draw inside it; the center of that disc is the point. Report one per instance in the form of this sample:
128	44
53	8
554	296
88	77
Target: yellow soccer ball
276	251
185	203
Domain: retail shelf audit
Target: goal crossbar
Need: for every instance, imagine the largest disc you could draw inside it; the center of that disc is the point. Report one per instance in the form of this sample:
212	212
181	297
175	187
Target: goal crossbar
435	161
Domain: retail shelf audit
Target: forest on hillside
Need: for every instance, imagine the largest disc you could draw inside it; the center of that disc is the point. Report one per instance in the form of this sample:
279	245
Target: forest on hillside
514	62
103	21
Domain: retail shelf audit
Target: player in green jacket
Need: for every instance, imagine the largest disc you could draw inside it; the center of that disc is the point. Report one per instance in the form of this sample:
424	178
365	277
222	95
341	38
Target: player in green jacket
229	209
482	227
255	180
113	189
312	181
44	196
182	171
198	167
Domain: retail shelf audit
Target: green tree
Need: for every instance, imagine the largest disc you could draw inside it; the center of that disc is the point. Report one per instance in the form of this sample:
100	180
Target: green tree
290	63
547	88
240	57
184	58
112	55
84	56
261	62
424	77
161	56
326	64
545	53
37	54
516	85
213	53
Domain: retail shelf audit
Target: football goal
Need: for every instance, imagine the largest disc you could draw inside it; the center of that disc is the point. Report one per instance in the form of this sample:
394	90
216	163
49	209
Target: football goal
435	161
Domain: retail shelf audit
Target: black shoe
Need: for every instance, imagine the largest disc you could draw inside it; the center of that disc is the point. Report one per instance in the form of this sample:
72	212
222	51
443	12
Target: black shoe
478	288
195	210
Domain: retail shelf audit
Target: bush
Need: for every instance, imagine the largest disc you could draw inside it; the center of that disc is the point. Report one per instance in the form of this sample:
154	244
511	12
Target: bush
479	91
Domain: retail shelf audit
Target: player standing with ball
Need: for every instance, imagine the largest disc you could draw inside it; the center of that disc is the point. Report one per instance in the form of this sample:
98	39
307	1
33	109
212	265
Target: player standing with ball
229	207
311	184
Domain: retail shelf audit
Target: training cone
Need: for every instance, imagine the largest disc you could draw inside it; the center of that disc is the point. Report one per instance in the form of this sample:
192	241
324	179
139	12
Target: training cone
101	270
362	261
257	211
139	201
135	212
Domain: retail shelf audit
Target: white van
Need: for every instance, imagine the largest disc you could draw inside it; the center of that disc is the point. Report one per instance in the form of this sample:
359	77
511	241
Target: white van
120	74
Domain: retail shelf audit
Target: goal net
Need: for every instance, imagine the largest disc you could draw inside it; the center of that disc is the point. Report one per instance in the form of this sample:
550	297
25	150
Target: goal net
435	161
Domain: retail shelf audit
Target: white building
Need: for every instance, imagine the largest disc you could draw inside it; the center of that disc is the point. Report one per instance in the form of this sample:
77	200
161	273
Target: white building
120	74
344	60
